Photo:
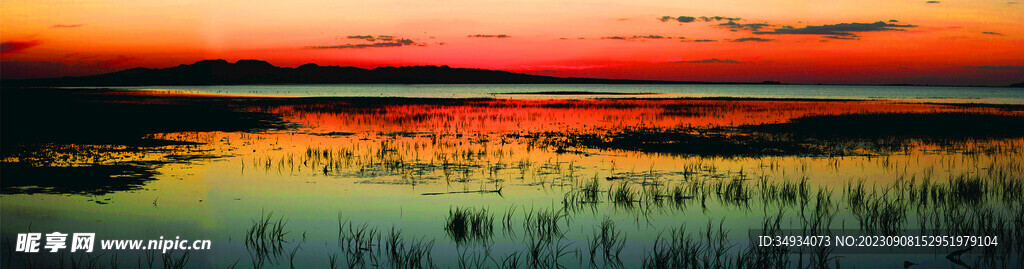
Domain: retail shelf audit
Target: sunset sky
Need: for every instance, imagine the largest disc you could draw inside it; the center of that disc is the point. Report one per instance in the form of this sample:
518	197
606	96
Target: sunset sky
864	41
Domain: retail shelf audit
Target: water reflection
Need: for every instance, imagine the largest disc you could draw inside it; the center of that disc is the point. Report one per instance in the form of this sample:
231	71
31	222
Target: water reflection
378	182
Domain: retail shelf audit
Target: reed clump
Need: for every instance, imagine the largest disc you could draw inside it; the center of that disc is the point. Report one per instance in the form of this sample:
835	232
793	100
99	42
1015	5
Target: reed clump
469	224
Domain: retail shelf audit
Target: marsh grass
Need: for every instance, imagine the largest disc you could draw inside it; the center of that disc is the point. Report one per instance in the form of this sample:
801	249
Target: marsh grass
590	189
356	243
547	254
365	246
483	257
512	260
146	259
171	262
678	195
332	260
975	203
786	193
584	194
546	224
734	193
265	239
408	253
767	257
624	195
609	241
969	203
464	225
679	249
475	259
506	222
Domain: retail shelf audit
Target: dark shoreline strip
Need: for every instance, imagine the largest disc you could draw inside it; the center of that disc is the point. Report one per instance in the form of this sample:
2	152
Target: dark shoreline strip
498	191
578	93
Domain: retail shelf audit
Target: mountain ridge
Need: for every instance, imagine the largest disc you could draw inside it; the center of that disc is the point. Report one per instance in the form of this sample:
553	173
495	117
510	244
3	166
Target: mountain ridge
250	71
257	72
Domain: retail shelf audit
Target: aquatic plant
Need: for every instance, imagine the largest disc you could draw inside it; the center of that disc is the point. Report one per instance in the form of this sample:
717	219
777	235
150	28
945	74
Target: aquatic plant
469	225
265	239
610	241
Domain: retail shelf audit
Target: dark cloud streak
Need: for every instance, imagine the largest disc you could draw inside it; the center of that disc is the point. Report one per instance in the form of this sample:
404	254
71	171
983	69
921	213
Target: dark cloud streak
686	19
744	26
16	46
753	39
397	43
683	19
492	36
368	38
719	18
842	29
841	37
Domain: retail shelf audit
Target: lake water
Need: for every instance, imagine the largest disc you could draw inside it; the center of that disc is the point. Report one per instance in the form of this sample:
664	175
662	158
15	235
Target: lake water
385	183
917	93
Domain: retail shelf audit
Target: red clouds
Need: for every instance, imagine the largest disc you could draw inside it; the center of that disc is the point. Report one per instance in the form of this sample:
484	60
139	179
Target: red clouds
16	46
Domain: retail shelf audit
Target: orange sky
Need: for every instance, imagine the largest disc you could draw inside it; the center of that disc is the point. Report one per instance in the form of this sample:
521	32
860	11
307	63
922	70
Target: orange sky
950	42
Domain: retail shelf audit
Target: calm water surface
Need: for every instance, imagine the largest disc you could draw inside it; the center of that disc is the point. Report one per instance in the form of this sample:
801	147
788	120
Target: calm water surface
344	167
940	94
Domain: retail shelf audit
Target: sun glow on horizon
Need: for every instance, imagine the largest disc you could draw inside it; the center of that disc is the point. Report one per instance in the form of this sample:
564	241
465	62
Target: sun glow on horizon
952	42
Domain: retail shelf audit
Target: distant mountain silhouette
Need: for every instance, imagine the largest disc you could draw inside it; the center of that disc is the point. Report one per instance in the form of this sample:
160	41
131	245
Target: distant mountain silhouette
1017	85
221	72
